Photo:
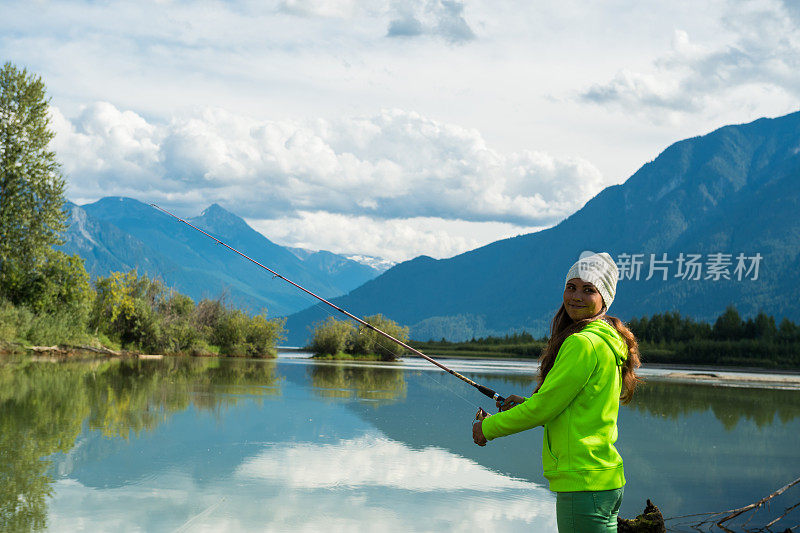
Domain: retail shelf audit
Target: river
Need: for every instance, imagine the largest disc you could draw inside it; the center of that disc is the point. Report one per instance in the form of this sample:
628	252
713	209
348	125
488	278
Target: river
178	444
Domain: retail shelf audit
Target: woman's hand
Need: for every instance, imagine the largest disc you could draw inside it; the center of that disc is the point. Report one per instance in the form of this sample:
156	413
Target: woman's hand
477	429
510	402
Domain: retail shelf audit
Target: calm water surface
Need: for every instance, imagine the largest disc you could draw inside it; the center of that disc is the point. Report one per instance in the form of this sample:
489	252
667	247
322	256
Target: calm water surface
295	445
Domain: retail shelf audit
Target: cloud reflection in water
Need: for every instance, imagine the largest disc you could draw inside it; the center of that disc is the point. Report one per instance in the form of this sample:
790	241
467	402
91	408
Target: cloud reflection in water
374	460
367	483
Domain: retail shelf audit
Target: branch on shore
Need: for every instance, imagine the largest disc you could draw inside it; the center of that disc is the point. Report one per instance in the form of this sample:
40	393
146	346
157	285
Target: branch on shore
102	350
715	520
42	349
736	512
65	349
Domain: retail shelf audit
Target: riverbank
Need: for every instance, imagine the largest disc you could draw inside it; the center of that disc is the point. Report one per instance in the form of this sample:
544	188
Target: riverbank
743	377
700	374
63	352
746	353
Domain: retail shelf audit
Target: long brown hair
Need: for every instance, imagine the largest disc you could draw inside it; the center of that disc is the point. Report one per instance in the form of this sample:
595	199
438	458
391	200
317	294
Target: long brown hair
562	326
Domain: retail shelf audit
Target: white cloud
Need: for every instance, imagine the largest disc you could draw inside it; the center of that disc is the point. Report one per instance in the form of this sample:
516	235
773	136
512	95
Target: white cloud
442	18
496	87
407	18
321	8
755	50
103	142
392	185
392	165
395	239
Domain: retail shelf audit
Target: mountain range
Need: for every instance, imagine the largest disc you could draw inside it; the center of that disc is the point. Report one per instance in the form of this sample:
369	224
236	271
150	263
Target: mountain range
120	234
724	200
717	202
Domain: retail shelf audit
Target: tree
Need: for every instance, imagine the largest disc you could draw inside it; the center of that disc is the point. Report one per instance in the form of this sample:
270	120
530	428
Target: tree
367	341
331	336
788	331
31	184
126	308
762	327
729	325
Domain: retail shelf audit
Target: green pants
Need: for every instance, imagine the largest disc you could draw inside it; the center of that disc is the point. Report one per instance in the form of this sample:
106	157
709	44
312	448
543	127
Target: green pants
588	512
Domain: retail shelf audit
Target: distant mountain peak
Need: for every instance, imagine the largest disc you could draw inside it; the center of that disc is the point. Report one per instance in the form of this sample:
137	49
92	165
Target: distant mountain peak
215	210
218	212
217	217
727	193
118	199
378	263
118	234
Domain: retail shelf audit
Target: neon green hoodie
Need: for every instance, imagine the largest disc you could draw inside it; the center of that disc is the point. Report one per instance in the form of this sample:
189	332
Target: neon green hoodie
578	405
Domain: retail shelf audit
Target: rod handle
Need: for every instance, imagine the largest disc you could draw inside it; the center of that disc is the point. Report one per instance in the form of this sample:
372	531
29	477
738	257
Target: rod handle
486	391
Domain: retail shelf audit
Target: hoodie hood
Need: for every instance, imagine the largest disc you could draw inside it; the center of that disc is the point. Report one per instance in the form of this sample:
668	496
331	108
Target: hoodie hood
610	336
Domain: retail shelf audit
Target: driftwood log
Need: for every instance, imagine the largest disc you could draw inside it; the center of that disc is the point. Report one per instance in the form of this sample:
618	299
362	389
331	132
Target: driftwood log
66	349
53	350
102	350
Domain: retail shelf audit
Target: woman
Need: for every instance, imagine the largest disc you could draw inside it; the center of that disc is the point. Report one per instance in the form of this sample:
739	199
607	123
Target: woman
586	369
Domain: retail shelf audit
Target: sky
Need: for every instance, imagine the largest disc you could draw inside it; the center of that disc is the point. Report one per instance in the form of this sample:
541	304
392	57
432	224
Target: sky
392	128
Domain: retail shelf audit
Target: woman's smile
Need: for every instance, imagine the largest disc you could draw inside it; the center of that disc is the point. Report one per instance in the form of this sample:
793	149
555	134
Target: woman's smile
581	299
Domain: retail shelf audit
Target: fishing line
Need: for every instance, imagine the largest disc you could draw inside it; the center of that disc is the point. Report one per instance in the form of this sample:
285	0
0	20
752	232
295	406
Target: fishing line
450	389
425	373
483	390
428	375
385	350
191	522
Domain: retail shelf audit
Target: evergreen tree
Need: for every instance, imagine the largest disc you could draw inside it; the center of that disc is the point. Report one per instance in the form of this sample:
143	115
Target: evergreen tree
788	331
761	327
729	325
31	184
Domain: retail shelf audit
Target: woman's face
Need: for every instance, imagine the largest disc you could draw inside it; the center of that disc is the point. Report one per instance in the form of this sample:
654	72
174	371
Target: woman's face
581	299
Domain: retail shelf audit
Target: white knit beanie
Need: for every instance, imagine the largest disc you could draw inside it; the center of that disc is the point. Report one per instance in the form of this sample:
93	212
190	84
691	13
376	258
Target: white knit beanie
599	270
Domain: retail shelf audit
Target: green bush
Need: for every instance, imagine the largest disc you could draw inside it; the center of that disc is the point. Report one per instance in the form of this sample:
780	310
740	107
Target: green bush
14	321
49	303
126	308
179	334
263	335
230	333
179	305
207	314
142	313
239	335
63	285
56	328
331	336
368	341
181	337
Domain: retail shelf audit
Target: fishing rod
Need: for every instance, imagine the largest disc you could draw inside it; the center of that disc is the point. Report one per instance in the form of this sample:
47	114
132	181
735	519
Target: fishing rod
484	390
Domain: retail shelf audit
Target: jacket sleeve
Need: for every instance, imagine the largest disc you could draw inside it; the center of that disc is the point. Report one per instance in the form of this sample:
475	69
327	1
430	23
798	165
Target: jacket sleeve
574	365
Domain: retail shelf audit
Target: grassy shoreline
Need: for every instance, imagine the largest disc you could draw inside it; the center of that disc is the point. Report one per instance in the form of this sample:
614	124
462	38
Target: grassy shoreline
700	374
97	349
